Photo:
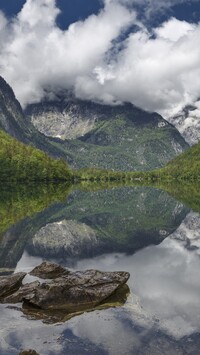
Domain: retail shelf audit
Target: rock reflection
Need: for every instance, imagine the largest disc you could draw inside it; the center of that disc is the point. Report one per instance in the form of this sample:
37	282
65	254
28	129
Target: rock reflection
118	299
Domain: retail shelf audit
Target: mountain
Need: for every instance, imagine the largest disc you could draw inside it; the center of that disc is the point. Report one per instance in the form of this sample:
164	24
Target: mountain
187	121
121	137
11	114
13	121
88	134
184	167
22	162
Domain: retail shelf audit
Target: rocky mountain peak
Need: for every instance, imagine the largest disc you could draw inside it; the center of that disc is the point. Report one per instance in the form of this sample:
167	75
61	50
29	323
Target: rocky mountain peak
187	121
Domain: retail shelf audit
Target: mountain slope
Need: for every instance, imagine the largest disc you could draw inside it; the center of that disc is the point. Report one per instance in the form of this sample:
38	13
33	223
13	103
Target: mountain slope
21	162
12	121
184	167
121	137
187	165
11	115
88	134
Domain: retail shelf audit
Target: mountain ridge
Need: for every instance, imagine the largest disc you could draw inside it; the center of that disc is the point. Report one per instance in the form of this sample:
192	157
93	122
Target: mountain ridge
121	137
111	137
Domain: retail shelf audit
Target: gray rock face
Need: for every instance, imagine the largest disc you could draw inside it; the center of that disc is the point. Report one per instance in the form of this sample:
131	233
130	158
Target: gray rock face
63	123
13	122
20	294
9	284
11	115
187	122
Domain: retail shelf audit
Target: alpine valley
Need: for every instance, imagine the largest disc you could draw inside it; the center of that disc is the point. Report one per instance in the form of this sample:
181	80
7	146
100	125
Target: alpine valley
89	134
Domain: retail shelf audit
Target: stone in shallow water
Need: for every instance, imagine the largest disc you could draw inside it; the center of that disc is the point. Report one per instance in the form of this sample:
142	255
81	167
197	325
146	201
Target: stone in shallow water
65	296
48	270
76	290
9	284
28	352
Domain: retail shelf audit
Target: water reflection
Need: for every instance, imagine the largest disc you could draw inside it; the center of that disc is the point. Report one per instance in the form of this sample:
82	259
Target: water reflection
92	223
139	230
166	280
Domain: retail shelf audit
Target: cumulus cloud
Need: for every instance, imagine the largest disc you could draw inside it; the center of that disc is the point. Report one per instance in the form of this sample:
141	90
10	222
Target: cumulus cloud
156	73
35	54
100	58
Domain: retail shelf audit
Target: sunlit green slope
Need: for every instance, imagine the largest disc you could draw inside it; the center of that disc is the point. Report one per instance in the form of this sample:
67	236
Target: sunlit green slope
184	167
21	162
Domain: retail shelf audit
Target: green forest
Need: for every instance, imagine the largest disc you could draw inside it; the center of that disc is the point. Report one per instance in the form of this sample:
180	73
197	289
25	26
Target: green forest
184	167
20	162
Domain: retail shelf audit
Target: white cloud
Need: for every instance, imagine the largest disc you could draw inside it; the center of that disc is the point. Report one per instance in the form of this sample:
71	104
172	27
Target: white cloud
39	55
174	29
163	280
157	71
157	74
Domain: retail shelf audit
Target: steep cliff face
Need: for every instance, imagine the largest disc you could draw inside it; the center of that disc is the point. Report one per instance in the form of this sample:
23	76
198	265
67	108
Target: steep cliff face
64	120
121	137
187	122
11	115
14	122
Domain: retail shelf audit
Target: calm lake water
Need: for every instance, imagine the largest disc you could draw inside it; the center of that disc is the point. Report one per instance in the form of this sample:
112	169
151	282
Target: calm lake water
137	229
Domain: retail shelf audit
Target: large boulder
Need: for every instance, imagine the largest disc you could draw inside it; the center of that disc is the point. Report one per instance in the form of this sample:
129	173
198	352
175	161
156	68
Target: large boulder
77	290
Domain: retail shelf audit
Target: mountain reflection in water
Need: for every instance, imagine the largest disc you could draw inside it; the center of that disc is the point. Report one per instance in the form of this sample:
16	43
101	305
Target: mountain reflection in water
139	230
92	223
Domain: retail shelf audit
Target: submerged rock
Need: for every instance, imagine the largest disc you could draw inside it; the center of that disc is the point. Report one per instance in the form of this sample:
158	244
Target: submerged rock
11	283
28	352
48	270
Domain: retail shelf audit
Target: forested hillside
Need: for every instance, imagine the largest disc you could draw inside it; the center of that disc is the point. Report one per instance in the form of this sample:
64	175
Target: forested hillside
21	162
184	167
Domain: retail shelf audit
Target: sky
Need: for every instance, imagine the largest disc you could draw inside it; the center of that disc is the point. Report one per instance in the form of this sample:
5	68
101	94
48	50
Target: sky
145	52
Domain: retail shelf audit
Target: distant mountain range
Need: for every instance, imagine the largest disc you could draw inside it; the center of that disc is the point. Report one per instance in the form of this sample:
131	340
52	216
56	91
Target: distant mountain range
88	134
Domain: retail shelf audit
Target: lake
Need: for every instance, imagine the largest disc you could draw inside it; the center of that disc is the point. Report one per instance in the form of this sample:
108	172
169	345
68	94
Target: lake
142	230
